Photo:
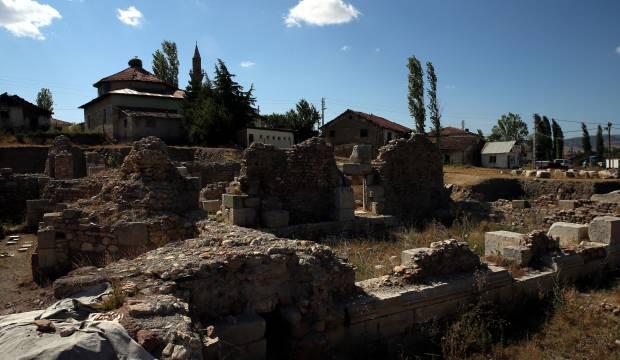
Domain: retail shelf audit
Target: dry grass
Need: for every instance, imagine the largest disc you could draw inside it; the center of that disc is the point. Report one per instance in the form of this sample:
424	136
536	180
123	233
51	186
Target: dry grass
472	175
578	329
376	257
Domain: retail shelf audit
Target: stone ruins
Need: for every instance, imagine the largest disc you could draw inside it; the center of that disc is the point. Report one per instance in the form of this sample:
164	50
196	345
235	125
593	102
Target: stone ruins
202	259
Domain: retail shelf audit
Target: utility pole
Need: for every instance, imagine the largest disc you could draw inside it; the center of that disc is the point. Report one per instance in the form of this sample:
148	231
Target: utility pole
534	146
609	138
323	108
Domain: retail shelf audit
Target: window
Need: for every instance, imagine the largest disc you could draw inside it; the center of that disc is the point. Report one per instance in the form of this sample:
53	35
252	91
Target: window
260	136
278	138
492	159
150	123
363	132
389	136
125	123
250	139
4	114
332	133
446	159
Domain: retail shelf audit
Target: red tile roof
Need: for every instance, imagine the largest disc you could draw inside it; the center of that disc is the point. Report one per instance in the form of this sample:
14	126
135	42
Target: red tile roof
377	120
131	74
452	131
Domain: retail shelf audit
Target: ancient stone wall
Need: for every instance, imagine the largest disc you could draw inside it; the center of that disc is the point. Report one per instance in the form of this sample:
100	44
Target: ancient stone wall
15	190
302	180
143	204
239	285
213	172
24	159
410	172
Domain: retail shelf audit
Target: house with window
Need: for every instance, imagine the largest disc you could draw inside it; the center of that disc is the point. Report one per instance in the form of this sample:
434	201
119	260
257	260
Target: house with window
355	127
19	114
281	138
134	103
459	146
501	154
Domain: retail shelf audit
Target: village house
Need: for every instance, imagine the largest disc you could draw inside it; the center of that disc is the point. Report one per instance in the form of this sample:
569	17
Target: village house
133	104
459	146
501	154
354	127
281	138
19	114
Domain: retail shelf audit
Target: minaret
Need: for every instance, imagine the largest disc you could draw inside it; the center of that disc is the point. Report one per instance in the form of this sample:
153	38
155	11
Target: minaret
196	74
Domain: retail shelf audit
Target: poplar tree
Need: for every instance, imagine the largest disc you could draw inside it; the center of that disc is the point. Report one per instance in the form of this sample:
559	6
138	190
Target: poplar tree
166	63
416	94
585	139
45	100
433	106
600	141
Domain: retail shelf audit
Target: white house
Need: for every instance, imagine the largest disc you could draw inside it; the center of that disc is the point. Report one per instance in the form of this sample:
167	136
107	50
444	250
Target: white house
501	154
282	138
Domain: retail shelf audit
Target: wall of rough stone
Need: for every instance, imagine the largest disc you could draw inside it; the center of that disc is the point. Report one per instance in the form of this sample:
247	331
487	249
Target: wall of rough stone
13	156
411	174
24	159
15	189
301	180
213	172
240	283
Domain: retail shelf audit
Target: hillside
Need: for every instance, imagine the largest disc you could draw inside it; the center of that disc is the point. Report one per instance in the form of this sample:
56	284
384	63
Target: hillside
575	142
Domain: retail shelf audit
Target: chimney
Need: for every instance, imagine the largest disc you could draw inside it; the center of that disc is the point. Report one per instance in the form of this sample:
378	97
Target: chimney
135	63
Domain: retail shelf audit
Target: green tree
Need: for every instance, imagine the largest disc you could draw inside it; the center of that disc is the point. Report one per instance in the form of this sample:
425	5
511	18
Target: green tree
433	106
600	142
276	120
304	119
166	63
480	133
585	139
509	127
558	140
416	94
219	110
45	100
547	139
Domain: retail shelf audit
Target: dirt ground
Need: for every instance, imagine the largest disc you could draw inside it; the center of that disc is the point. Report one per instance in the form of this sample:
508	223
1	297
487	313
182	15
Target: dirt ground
471	175
17	290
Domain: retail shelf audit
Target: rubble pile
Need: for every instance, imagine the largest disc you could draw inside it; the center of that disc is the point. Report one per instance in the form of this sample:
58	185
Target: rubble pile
146	184
548	211
441	258
227	272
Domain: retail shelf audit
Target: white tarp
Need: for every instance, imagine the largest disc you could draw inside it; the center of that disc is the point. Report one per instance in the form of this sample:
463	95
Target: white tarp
92	339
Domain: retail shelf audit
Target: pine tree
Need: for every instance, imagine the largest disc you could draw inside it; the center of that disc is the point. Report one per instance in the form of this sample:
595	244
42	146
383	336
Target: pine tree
416	94
166	63
45	100
600	142
585	139
433	106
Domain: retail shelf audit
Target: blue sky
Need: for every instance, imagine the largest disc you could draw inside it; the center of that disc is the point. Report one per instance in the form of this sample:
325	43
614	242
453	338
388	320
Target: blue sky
555	57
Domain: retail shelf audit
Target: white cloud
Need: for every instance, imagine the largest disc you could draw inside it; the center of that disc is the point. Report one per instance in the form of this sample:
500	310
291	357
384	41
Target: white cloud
345	48
130	16
618	50
321	13
24	18
247	64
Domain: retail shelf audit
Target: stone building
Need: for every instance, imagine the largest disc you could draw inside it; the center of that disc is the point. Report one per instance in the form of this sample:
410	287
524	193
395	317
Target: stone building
458	146
354	127
19	114
133	104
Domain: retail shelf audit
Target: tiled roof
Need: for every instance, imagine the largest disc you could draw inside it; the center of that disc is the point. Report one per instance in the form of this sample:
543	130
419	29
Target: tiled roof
498	147
452	131
14	100
178	94
377	120
457	143
151	113
131	74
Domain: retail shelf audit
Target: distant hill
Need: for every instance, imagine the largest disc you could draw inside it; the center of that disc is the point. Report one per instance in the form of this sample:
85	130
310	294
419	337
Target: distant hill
575	142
